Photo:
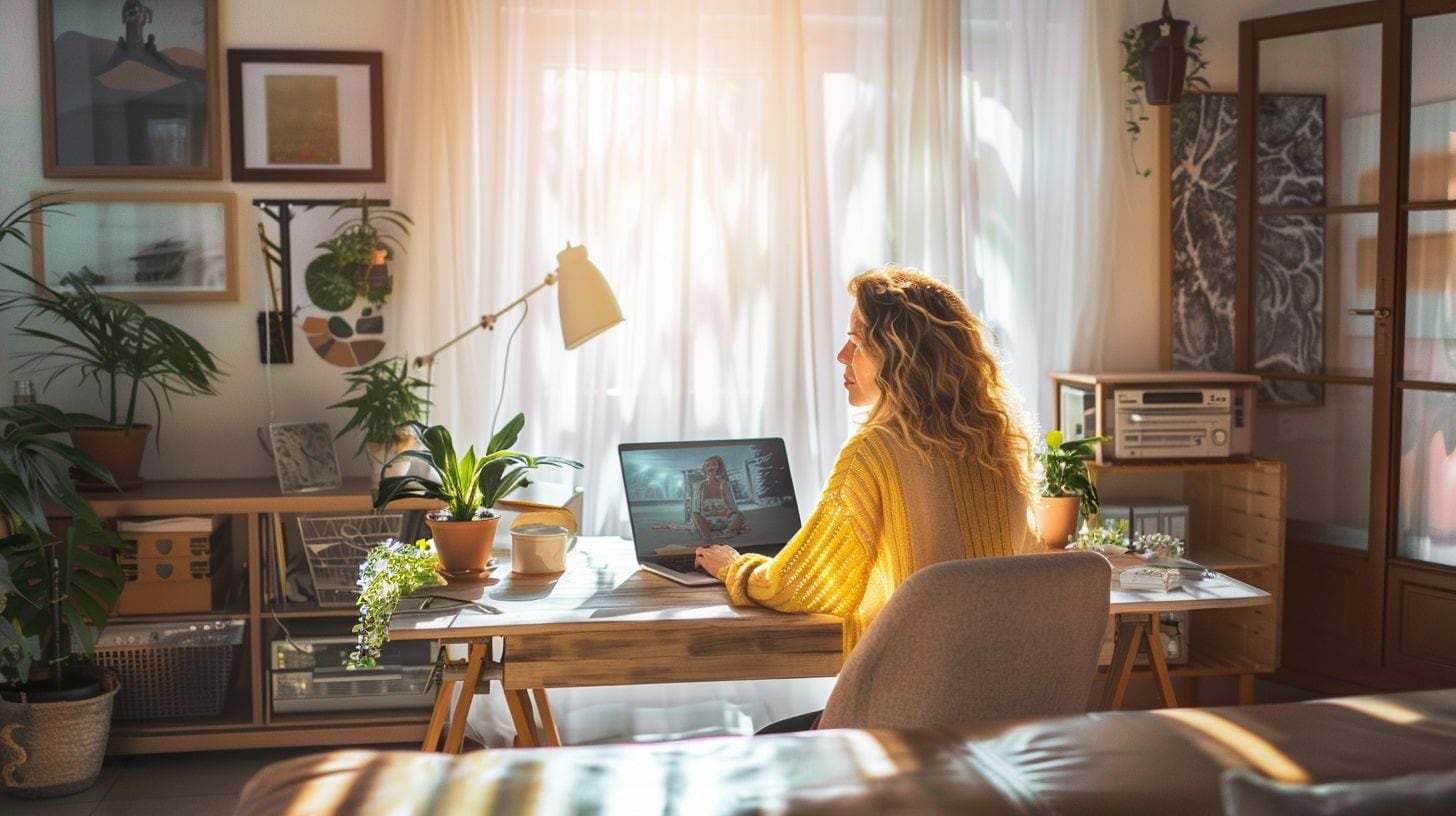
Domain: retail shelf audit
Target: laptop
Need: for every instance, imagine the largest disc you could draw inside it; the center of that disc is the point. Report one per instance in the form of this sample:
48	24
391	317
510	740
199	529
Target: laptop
684	495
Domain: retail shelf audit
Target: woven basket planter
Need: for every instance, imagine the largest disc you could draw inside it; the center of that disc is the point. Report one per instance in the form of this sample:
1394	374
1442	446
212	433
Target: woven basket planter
53	749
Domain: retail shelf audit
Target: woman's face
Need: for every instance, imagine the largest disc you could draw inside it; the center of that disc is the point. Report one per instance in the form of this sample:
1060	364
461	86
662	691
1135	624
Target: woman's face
710	468
860	366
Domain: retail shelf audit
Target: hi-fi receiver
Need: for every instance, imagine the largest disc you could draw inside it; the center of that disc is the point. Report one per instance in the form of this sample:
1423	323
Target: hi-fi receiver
1159	414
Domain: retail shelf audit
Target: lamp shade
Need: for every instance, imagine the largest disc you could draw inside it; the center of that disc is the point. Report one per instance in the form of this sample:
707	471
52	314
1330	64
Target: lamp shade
587	304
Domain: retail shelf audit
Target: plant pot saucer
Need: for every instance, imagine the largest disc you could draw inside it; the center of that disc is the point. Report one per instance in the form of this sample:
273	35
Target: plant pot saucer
457	576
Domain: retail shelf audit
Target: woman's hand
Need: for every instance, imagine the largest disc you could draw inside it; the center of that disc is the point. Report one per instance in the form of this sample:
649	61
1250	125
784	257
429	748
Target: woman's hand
715	558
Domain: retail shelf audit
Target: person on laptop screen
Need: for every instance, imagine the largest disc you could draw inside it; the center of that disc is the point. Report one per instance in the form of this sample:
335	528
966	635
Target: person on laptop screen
940	469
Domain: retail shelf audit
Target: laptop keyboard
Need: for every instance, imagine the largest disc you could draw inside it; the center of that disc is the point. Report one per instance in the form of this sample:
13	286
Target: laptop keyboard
681	563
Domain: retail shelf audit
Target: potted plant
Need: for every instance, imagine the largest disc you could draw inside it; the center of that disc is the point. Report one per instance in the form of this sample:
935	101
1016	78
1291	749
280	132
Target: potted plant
112	343
469	485
56	592
1162	61
355	264
385	399
1067	493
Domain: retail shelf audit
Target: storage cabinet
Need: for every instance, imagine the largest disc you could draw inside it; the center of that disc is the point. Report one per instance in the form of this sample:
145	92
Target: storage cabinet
251	513
1235	526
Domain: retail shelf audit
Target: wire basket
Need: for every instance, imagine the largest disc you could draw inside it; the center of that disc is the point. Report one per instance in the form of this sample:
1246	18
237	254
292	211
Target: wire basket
336	546
176	669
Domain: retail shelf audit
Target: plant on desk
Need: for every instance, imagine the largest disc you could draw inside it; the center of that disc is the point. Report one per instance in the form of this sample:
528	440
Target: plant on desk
469	485
56	591
112	343
385	400
390	572
1067	493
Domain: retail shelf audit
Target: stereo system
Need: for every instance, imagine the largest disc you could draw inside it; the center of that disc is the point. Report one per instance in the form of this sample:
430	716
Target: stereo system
1159	414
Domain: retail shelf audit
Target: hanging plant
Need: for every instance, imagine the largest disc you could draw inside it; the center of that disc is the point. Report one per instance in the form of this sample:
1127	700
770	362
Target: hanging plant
1162	62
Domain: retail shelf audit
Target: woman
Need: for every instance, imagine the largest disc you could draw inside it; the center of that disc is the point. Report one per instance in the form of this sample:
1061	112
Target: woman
715	509
940	470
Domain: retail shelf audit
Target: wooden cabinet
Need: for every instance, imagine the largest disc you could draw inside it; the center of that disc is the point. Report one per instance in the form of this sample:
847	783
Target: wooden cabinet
1235	526
253	509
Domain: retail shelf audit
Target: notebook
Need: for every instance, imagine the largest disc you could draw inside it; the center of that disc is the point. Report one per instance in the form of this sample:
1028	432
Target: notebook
684	495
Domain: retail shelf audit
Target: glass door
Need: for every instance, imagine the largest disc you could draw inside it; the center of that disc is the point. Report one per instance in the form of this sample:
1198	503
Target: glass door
1421	589
1311	315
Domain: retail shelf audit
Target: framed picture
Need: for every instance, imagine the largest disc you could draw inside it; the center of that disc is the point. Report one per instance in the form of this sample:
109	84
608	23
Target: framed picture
314	116
303	455
140	246
130	95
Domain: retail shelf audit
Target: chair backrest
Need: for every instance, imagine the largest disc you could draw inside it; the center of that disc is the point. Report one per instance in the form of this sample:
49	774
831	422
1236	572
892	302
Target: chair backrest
968	641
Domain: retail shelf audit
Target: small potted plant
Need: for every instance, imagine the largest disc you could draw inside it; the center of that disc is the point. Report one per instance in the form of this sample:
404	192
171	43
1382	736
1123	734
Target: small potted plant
56	592
469	485
385	400
355	264
1162	61
1067	493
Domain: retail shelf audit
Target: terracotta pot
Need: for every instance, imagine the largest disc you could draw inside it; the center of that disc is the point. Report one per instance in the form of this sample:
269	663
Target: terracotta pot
120	451
464	546
1056	520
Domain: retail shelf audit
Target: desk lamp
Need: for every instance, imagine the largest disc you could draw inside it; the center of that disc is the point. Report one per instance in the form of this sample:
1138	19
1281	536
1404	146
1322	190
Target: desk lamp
586	302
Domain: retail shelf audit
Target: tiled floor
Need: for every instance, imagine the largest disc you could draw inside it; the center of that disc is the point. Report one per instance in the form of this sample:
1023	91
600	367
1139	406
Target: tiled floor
196	784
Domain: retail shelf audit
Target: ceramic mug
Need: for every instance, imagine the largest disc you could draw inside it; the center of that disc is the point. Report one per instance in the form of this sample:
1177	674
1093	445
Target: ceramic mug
539	541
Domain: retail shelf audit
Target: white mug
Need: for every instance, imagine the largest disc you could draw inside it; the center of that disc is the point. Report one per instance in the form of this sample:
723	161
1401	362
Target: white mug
538	549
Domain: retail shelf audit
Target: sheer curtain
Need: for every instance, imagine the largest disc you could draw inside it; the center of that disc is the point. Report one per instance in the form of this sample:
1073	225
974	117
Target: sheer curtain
730	165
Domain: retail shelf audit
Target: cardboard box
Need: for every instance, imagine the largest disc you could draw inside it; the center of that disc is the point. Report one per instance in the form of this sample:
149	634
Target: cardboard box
179	583
158	538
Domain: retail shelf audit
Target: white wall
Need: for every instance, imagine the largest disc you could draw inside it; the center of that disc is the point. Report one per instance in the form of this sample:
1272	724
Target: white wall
208	437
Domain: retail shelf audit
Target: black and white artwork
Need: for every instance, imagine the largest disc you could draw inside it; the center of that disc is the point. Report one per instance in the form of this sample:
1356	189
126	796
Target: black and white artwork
303	454
1289	282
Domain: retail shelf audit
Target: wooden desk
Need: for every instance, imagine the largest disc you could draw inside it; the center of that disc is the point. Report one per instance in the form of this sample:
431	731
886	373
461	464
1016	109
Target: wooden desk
1136	620
604	622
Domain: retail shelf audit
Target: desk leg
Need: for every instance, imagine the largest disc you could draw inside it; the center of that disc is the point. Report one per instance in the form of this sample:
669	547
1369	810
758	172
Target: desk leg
474	667
1129	638
1246	689
437	717
548	723
524	718
1159	662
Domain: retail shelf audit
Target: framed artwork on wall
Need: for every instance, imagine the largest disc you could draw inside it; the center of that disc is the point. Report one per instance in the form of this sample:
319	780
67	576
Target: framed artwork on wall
140	246
313	116
133	94
303	454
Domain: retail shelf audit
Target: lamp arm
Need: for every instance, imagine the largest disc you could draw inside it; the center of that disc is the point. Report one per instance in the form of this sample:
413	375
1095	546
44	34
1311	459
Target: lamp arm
487	321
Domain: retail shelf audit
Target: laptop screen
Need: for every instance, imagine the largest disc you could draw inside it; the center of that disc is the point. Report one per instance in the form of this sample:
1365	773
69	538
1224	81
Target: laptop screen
683	495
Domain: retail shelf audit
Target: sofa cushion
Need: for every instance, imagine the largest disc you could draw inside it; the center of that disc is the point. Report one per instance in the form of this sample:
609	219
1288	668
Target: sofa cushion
1429	794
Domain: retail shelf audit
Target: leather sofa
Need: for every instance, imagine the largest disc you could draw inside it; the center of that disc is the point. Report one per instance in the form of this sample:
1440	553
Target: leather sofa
1104	763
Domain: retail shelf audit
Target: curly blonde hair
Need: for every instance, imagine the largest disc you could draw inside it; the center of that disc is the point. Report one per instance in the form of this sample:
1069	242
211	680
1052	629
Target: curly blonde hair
941	391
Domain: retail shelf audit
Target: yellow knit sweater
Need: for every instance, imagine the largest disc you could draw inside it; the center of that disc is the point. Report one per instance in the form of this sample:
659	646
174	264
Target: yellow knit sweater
884	514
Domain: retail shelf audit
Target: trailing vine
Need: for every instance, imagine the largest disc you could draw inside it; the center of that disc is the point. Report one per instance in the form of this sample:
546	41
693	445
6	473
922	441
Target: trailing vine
390	572
1134	106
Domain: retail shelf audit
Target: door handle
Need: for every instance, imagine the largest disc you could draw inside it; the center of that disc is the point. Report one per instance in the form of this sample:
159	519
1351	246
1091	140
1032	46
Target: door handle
1379	313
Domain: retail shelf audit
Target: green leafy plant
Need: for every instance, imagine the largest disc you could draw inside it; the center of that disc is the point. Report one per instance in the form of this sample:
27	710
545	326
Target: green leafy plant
1135	112
390	572
1064	469
56	592
346	271
112	343
1101	538
466	483
386	399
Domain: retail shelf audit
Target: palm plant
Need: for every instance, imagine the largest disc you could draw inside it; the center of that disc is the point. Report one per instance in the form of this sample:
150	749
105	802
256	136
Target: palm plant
114	344
387	400
55	593
1064	469
465	483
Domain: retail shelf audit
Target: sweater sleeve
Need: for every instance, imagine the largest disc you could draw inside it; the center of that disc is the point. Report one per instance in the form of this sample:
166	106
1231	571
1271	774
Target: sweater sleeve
826	566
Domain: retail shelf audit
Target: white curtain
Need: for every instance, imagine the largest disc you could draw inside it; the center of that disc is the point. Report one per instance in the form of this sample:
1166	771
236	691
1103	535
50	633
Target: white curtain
730	165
